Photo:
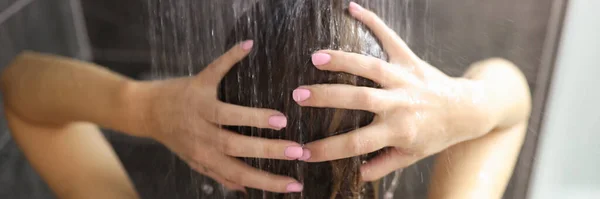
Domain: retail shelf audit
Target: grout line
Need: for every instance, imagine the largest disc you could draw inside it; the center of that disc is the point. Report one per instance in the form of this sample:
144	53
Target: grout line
12	9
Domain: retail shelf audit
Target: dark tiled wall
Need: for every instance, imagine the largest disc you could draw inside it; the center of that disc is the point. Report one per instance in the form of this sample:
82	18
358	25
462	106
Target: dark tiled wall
51	26
449	34
4	4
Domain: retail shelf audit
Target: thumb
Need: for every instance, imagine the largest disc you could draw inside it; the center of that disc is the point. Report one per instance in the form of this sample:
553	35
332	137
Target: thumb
219	68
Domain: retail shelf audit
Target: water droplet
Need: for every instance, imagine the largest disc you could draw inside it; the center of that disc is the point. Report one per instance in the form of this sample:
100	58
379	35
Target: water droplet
208	189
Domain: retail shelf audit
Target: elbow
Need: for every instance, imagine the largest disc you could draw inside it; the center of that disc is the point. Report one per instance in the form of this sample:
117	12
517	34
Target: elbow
508	89
9	73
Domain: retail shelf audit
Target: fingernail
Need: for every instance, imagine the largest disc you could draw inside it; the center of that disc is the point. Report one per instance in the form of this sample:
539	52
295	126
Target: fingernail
301	94
294	187
355	8
305	155
278	121
247	45
293	152
320	59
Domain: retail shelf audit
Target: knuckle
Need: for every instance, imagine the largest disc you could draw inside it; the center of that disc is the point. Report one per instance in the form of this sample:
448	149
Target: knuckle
197	158
371	17
212	113
213	68
267	151
234	53
221	114
210	68
378	66
238	178
410	136
367	99
318	93
407	134
236	56
338	60
202	154
228	147
260	118
358	145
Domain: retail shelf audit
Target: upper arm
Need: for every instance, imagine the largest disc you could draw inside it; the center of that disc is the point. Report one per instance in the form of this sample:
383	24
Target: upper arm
75	160
479	168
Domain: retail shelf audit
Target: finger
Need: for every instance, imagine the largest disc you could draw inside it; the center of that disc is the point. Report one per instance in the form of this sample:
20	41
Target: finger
238	145
228	184
385	163
205	171
392	43
240	173
368	67
234	115
347	97
361	141
218	68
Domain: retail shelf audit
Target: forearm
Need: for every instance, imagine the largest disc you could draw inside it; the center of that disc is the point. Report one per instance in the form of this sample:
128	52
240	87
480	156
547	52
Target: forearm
479	168
54	91
75	160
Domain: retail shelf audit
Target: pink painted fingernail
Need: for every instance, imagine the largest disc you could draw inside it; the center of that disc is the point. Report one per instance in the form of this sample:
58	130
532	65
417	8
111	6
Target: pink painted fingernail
278	121
294	187
319	59
293	152
305	155
300	94
355	8
247	45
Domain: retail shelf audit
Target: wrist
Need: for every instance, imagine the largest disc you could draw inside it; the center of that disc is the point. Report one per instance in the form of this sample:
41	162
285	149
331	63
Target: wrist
478	110
135	99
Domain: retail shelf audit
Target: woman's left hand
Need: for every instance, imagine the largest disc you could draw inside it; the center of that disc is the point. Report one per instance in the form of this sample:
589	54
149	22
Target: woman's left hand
419	110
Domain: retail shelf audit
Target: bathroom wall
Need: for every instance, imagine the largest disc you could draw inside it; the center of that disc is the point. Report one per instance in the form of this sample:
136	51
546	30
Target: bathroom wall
568	159
448	34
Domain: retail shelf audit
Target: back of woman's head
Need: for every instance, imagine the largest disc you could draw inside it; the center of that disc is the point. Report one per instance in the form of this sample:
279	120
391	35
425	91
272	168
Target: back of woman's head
285	34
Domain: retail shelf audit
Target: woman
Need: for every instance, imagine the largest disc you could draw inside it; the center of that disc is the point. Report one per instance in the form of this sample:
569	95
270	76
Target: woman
183	114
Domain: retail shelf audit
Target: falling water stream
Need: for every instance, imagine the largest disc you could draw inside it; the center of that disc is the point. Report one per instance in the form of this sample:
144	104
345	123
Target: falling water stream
186	35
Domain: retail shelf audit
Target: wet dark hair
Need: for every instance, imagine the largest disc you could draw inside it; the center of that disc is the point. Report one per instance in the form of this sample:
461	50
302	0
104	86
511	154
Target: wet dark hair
285	34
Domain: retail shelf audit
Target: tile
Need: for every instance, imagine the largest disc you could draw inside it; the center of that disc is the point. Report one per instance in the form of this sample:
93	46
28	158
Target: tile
41	26
5	4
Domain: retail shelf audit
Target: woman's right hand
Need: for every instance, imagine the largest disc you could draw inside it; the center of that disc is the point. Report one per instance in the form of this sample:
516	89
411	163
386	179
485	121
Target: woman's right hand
185	114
